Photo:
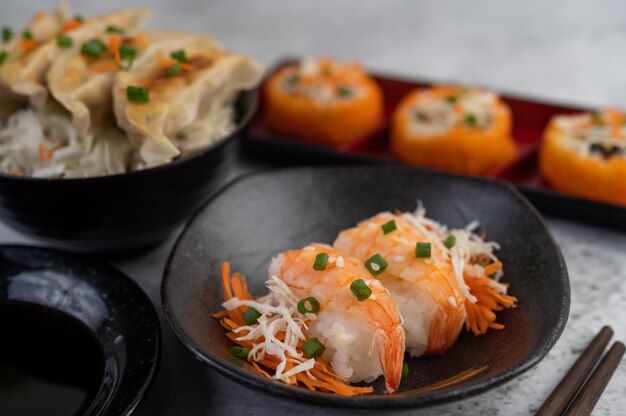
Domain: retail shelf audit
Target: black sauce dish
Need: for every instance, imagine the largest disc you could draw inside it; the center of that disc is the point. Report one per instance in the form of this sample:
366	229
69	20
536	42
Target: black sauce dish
294	207
119	212
78	336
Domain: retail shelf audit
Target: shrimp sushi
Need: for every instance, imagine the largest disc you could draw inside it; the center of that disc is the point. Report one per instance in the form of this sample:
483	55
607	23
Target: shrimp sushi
324	101
465	130
585	155
431	273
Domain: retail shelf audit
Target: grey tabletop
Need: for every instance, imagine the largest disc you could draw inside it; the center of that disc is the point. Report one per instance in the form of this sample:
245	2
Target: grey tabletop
569	51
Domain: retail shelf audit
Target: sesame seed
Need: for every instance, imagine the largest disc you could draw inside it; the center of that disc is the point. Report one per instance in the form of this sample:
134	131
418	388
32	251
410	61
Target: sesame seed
375	267
331	259
309	248
452	301
403	240
399	259
340	261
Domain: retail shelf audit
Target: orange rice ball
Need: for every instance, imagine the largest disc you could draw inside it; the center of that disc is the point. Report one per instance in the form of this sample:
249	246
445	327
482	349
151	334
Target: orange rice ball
585	155
465	130
324	101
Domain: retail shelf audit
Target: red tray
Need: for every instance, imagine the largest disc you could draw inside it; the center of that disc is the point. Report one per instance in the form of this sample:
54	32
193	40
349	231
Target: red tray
530	117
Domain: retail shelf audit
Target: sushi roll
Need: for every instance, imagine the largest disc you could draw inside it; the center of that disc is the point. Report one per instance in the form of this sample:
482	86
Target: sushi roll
465	130
585	155
433	275
324	101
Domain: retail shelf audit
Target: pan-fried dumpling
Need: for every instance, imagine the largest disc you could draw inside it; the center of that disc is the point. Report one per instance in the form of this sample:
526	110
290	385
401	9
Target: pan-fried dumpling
81	82
27	57
176	85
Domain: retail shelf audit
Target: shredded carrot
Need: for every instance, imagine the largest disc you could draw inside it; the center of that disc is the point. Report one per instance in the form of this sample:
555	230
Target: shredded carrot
480	315
27	45
492	268
102	67
32	78
164	62
323	378
44	154
69	26
115	41
15	171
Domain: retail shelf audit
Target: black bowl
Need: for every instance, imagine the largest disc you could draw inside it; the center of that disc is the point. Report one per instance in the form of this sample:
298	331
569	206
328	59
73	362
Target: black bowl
118	212
264	214
81	334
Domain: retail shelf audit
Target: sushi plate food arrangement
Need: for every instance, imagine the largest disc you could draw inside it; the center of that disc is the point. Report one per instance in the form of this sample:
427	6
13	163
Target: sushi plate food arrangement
368	287
568	160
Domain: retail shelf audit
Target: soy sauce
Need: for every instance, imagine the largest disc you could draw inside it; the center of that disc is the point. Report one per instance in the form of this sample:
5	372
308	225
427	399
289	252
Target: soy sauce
50	363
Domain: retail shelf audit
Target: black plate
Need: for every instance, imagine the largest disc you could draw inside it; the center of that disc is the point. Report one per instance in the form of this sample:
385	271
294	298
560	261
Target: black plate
53	289
263	214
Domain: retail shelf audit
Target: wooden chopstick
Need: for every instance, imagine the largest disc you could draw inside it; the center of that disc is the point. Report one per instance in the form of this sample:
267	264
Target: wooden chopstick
567	388
592	390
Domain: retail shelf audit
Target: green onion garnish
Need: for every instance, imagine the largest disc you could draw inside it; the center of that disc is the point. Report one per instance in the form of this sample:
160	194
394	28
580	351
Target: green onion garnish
597	119
320	261
114	29
179	55
137	94
422	250
405	370
360	289
343	91
471	120
492	275
313	348
451	99
27	34
313	303
450	241
174	70
376	264
7	34
93	48
251	316
64	41
389	227
79	18
239	352
3	56
292	80
127	56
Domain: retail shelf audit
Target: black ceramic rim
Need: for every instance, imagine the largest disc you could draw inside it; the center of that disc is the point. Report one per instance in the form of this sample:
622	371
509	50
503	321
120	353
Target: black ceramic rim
280	389
247	100
135	379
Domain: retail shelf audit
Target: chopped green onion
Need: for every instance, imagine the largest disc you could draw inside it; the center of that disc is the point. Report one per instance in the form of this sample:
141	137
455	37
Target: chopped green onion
471	120
405	370
127	56
179	55
360	289
239	352
251	316
422	250
343	91
492	275
597	119
137	94
376	264
314	305
79	18
320	261
292	80
93	48
114	29
452	99
450	241
174	70
313	348
7	34
3	56
64	41
389	227
27	34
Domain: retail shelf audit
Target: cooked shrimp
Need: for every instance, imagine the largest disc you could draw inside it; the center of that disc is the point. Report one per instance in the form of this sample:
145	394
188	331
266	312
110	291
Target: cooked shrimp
427	291
349	328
